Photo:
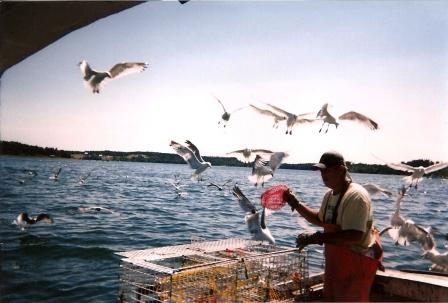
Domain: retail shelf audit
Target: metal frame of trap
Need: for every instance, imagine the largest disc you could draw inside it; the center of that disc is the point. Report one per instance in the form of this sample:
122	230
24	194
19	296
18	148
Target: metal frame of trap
231	270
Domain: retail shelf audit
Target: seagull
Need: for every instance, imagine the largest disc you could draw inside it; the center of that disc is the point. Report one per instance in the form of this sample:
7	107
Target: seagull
292	119
256	224
95	79
439	260
21	181
410	232
191	155
263	170
404	231
96	209
351	115
23	219
417	172
31	172
248	155
178	188
266	112
374	189
226	116
56	173
83	179
219	187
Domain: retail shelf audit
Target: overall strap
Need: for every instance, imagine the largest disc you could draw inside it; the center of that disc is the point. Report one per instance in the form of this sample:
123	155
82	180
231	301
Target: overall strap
341	195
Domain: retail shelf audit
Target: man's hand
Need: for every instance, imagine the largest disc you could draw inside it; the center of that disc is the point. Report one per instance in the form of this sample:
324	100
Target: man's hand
291	199
305	239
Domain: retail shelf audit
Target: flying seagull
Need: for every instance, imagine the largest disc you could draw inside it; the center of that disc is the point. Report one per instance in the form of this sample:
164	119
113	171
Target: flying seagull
191	155
404	231
351	115
96	79
292	119
226	116
248	155
219	186
417	172
263	170
23	219
31	172
96	209
266	112
83	179
256	224
56	173
177	187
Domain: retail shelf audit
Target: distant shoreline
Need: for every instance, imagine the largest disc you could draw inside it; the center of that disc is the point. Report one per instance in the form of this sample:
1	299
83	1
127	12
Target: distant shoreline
12	148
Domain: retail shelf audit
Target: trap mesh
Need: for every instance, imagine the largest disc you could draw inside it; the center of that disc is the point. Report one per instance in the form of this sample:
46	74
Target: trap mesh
272	198
241	271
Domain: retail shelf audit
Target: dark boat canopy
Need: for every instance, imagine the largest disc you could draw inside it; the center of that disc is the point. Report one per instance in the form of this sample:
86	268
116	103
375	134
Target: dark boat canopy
29	26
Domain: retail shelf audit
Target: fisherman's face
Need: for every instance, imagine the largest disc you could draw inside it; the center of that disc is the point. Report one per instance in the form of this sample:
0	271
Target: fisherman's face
333	176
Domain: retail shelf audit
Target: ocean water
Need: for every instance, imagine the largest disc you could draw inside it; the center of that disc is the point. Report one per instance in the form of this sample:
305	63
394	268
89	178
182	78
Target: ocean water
73	259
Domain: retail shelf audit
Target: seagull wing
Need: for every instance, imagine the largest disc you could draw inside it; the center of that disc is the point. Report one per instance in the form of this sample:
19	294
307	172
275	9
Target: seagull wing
244	203
280	110
44	218
424	237
435	167
323	111
86	71
240	155
230	180
373	189
238	109
305	114
384	230
259	164
354	116
187	154
126	68
195	150
265	112
56	174
213	184
262	151
221	104
263	219
401	166
236	151
253	154
300	120
276	159
88	175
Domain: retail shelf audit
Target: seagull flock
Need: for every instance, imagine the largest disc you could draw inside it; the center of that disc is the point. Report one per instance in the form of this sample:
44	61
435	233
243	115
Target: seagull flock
23	220
264	165
405	231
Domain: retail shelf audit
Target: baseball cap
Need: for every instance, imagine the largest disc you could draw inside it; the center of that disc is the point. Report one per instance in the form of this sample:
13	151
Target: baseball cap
329	159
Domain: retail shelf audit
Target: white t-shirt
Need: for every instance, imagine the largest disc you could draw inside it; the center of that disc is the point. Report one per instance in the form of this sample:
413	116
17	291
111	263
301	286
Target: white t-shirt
354	213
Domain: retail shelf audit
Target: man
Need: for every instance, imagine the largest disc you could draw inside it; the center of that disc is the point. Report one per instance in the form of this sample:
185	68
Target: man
352	248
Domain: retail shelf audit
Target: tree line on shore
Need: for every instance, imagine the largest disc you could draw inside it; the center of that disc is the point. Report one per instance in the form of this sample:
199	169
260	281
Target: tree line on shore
20	149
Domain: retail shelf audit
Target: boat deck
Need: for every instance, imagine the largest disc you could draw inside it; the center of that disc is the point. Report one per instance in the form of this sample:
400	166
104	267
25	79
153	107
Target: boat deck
398	286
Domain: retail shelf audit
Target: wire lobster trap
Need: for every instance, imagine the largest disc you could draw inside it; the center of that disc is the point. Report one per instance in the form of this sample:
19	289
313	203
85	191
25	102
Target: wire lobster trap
231	270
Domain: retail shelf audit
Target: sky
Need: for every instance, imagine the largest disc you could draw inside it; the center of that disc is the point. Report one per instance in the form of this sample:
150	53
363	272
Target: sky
385	59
